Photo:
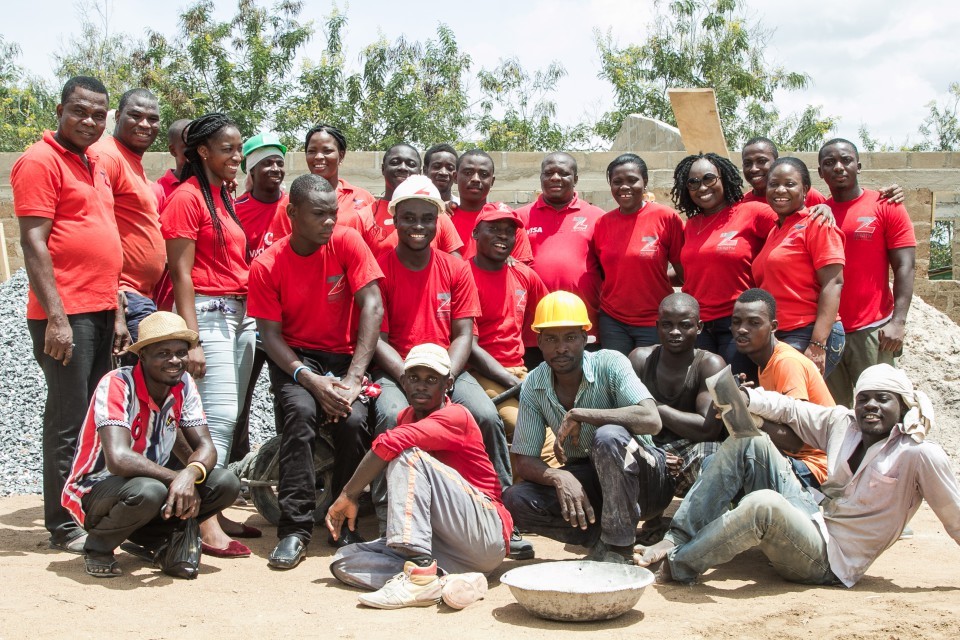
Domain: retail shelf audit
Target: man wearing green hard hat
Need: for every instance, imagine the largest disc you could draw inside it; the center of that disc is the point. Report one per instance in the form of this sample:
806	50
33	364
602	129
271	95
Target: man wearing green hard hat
603	416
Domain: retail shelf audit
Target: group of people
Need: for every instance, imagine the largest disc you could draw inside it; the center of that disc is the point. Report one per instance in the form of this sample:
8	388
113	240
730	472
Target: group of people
391	324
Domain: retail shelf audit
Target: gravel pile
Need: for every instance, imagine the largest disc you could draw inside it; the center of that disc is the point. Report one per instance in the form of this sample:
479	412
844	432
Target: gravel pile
932	360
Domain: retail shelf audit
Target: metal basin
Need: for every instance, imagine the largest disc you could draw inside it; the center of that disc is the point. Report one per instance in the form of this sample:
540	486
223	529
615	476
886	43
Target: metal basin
577	590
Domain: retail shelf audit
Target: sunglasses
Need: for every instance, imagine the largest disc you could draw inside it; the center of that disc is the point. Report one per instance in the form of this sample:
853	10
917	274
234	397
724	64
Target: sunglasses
708	180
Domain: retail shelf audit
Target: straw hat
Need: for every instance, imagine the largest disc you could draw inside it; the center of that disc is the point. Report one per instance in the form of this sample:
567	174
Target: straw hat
161	326
429	355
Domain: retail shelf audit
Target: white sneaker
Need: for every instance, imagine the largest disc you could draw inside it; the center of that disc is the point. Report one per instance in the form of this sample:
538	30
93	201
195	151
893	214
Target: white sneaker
414	587
463	589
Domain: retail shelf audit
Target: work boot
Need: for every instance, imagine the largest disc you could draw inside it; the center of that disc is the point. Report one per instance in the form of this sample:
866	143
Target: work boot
520	549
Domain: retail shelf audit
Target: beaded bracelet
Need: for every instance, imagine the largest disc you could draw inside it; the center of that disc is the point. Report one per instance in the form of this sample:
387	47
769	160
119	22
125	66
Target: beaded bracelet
822	346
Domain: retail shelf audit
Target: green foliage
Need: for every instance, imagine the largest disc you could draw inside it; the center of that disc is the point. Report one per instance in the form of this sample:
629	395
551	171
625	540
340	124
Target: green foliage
941	245
528	121
941	129
27	106
699	44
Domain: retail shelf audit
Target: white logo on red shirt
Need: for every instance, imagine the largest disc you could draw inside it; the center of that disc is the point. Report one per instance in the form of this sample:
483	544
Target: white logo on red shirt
338	286
443	305
650	246
866	228
521	295
580	224
796	234
532	231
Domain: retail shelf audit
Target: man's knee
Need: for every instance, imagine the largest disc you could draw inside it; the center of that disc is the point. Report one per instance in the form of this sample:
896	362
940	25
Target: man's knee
609	443
220	490
149	494
521	499
765	507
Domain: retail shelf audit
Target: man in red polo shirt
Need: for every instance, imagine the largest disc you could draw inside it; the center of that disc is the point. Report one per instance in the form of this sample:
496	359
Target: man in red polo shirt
316	297
560	228
169	181
878	236
440	165
135	204
474	180
399	163
72	252
429	296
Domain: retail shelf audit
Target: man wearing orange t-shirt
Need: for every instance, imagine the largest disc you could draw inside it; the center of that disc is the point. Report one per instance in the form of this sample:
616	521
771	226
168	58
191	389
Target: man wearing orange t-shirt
429	296
316	297
71	248
474	179
785	370
135	204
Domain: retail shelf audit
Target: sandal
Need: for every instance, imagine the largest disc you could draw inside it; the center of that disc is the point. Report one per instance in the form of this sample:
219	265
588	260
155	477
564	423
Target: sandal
102	566
73	545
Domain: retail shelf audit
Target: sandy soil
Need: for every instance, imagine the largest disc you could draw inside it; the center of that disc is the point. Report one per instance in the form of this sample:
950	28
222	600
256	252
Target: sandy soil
913	591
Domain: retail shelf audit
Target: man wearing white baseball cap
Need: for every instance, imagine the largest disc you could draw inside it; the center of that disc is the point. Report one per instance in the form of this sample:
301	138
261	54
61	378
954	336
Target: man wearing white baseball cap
435	463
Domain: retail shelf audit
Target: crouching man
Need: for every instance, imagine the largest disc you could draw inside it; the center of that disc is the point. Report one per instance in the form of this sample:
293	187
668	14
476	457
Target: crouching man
119	487
612	475
880	468
443	500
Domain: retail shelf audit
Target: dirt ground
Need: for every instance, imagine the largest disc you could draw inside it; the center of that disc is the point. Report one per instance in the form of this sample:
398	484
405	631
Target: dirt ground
913	591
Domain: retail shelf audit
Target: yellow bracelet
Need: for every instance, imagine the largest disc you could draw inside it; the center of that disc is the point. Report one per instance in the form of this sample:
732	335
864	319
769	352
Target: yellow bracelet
203	471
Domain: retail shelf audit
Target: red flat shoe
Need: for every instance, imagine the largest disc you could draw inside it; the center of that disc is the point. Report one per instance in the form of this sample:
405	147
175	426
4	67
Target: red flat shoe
246	532
234	550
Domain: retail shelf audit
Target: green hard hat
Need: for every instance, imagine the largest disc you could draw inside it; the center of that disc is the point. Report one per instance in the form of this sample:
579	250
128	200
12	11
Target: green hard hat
259	141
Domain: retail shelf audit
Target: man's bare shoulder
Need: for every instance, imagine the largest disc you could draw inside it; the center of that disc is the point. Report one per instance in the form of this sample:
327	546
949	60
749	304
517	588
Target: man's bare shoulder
710	364
638	357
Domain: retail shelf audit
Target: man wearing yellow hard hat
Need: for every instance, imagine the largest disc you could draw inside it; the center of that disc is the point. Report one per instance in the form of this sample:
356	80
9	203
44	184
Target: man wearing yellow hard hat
603	417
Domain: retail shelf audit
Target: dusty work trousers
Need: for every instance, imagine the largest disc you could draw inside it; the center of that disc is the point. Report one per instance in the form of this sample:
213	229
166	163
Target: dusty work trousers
776	514
862	350
626	482
119	508
69	389
508	411
432	511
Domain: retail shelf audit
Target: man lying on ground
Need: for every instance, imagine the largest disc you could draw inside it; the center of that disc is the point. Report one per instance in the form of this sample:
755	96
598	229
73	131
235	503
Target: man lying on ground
880	469
444	513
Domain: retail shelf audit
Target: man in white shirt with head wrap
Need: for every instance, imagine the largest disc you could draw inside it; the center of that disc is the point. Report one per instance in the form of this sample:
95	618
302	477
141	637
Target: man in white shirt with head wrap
880	468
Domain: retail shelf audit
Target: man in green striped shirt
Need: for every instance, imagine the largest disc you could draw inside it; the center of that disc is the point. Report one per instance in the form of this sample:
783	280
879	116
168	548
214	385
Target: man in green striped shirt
603	417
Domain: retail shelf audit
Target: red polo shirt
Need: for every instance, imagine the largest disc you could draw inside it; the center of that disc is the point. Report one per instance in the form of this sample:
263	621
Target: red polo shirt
465	221
257	219
50	182
135	209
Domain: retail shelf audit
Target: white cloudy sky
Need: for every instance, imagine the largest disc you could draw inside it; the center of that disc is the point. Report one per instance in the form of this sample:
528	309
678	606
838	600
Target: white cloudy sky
877	63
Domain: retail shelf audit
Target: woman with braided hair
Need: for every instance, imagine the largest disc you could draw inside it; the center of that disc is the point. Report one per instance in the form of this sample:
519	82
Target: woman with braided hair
721	238
207	254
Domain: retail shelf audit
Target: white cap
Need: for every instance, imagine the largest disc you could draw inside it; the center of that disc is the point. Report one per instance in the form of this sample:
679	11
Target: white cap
416	186
429	355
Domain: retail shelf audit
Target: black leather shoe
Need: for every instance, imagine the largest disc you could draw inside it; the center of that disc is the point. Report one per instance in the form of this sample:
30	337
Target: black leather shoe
346	537
288	553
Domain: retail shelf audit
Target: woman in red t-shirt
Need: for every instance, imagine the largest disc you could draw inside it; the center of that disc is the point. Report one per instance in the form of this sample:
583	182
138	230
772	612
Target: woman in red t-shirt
721	238
801	265
634	243
326	147
207	254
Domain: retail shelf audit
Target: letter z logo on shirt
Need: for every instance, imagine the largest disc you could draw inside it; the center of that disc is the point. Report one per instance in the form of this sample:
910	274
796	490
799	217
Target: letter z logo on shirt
443	305
337	286
650	245
728	241
580	224
866	228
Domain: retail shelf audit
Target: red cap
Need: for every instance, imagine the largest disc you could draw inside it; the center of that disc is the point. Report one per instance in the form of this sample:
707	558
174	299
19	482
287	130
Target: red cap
502	212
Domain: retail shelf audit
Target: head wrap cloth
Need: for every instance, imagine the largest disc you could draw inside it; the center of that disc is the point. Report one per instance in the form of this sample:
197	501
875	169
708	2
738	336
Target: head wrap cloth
882	377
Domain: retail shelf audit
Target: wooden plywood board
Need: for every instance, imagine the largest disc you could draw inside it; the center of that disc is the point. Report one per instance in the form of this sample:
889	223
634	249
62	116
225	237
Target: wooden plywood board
4	259
698	120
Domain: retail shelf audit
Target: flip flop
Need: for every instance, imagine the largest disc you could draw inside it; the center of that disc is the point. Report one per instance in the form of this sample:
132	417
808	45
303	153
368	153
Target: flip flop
73	545
102	568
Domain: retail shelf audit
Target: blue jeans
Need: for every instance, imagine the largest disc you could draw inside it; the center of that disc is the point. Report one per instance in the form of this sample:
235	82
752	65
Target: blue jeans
138	308
776	515
799	339
623	337
717	338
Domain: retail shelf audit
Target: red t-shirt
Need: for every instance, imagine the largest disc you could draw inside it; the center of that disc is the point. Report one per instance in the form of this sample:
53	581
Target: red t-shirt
257	219
420	306
50	182
360	220
351	198
312	297
164	186
217	271
508	300
465	221
634	251
451	435
871	226
563	253
446	240
787	267
814	198
718	252
135	209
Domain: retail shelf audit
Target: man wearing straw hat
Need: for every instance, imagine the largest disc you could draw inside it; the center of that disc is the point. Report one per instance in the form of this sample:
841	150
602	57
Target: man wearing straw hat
119	486
880	468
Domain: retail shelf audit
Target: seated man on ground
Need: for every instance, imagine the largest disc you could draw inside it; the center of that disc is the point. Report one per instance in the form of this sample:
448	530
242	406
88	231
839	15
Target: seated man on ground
316	297
785	370
444	514
119	487
881	469
675	373
603	419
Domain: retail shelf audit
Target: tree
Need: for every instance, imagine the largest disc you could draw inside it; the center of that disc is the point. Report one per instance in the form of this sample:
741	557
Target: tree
941	128
528	120
27	105
403	92
707	43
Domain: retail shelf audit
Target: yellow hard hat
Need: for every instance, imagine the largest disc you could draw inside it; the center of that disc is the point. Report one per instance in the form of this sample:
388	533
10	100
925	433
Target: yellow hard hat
561	309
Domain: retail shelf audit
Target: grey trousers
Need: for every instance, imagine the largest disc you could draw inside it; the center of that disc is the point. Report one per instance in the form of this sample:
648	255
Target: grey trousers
431	511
